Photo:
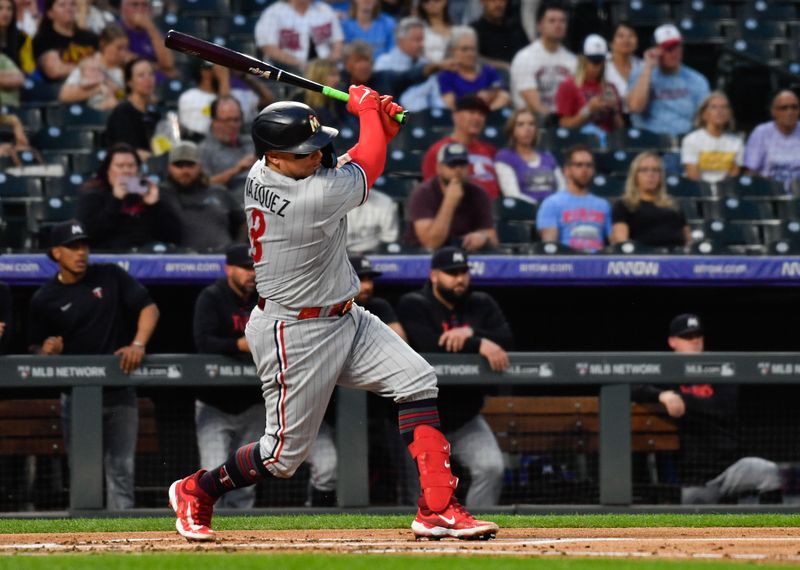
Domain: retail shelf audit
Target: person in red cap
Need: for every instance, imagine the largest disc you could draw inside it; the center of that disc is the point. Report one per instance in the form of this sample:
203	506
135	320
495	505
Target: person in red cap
664	93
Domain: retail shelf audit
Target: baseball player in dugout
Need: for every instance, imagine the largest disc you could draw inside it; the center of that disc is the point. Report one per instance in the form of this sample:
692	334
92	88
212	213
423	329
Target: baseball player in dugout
306	334
96	309
445	316
227	418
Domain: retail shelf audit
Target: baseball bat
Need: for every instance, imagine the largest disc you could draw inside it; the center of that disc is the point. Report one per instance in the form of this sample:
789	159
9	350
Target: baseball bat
232	59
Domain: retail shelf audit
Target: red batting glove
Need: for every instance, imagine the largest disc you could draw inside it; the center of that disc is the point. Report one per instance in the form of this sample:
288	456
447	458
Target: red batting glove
388	111
362	99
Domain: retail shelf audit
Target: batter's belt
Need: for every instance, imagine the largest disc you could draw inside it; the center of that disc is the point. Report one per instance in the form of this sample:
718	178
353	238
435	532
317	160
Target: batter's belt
278	310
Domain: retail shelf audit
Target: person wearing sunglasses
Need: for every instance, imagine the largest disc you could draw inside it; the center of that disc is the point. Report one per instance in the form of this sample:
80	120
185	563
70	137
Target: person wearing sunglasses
664	92
773	149
711	467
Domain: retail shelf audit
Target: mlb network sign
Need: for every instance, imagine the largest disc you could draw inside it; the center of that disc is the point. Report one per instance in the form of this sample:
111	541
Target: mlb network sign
634	268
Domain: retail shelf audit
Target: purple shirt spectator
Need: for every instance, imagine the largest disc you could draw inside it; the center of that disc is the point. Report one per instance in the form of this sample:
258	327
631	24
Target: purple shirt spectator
773	154
536	182
452	82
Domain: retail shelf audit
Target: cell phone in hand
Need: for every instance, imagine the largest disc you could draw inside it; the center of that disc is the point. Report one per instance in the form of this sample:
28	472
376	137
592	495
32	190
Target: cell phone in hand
135	185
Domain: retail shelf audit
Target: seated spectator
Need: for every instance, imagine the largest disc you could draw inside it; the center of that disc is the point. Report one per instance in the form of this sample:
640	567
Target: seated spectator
408	53
573	215
522	171
538	69
621	62
90	16
711	466
499	36
15	43
145	39
646	213
329	111
134	120
438	26
366	22
375	223
469	118
290	31
773	149
226	154
713	152
448	209
98	80
122	210
194	104
59	45
12	138
211	218
588	100
470	77
664	94
447	316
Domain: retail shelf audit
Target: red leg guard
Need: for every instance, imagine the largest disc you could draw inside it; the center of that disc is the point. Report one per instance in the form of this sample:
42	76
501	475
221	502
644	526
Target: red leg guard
432	452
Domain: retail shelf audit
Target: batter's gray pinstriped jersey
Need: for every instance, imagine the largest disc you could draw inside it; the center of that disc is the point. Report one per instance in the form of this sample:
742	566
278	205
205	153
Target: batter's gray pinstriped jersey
298	232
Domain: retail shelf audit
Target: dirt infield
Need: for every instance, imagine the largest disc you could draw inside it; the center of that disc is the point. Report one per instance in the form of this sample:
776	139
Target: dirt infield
753	544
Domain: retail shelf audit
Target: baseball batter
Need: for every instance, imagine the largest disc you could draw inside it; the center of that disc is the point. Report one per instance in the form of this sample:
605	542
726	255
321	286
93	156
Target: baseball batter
306	334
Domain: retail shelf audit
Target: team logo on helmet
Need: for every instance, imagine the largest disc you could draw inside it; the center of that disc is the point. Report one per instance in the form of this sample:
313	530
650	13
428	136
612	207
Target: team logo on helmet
314	122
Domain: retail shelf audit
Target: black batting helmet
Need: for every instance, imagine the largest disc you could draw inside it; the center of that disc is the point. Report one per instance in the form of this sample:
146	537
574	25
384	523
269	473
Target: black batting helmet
289	126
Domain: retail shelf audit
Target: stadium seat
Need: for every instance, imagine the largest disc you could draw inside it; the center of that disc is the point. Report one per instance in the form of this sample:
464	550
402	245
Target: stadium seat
65	140
755	51
703	10
783	230
19	188
31	118
250	7
633	247
637	140
508	209
690	208
439	120
157	165
493	134
560	138
499	118
415	137
66	186
395	187
706	247
609	187
34	93
56	209
757	29
169	91
194	8
613	162
764	10
783	247
700	31
746	186
87	163
551	248
15	234
682	187
641	12
76	115
400	162
746	210
243	45
236	26
742	236
512	233
196	26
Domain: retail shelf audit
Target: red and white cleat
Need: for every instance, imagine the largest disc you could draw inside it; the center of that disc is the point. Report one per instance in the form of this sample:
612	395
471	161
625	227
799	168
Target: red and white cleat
193	507
454	521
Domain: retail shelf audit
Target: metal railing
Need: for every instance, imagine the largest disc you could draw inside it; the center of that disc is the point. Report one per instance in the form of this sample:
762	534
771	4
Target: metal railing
86	376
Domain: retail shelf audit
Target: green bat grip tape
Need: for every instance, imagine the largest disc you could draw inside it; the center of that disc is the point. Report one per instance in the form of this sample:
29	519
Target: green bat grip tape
342	96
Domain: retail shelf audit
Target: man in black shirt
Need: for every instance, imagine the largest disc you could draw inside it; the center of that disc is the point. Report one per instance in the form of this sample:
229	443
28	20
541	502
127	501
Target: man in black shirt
90	309
499	37
445	316
230	417
711	467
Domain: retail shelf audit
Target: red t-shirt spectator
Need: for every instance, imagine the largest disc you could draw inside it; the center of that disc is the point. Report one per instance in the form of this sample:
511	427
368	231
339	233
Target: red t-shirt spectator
473	213
570	99
481	164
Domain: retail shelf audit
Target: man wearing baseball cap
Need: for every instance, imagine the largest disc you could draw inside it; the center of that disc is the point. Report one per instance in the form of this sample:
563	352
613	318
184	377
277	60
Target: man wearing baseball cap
446	316
86	309
469	119
448	208
664	93
711	466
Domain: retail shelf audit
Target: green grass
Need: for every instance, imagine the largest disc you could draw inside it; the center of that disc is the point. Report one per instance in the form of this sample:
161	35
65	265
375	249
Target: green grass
350	521
349	562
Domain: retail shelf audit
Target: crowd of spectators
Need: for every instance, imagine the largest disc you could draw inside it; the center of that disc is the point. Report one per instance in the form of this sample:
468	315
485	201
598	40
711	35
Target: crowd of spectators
478	64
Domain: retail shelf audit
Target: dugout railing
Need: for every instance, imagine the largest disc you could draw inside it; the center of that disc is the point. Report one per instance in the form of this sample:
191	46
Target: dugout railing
613	373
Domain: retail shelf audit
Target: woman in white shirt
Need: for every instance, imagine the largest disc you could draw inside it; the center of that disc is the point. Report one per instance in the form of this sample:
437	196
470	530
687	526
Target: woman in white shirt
621	62
437	28
712	152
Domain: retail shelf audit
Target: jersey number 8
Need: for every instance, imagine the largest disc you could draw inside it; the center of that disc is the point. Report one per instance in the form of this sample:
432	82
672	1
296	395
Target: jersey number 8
258	226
